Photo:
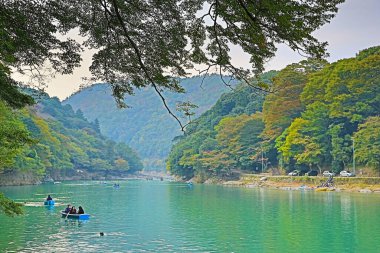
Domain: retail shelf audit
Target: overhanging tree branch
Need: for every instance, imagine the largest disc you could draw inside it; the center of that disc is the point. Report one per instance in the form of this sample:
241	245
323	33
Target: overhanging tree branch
142	65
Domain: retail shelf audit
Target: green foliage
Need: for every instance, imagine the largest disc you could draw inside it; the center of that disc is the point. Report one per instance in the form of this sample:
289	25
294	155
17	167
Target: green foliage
13	136
367	142
10	93
349	86
238	138
305	140
337	99
284	105
187	109
29	42
243	97
180	160
29	32
234	144
9	207
341	149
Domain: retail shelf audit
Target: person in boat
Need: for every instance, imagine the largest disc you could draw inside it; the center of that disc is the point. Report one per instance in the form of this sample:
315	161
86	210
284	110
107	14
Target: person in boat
68	209
49	198
73	210
80	210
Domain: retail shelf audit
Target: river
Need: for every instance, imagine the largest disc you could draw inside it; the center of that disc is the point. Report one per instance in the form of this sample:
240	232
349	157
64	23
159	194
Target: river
156	216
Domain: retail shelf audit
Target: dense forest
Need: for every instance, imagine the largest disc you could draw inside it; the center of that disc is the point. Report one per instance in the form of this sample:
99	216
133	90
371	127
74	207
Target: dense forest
315	114
145	125
53	140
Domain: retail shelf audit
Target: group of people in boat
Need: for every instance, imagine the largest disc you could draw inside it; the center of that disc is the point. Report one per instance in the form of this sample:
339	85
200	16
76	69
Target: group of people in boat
69	209
72	210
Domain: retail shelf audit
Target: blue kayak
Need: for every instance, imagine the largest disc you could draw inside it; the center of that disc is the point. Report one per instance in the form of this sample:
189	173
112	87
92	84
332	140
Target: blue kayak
49	202
75	216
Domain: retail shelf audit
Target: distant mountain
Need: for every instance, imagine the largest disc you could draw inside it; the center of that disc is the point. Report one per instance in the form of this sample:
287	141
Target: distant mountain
147	126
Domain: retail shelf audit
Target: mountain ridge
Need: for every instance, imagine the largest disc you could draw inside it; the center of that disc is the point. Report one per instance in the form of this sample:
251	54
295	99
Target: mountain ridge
146	126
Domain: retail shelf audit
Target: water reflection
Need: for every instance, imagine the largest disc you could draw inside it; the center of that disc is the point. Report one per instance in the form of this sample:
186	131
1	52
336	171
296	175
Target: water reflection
50	209
345	207
169	217
73	222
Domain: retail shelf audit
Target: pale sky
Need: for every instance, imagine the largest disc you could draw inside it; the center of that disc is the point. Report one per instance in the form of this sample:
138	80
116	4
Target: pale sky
356	27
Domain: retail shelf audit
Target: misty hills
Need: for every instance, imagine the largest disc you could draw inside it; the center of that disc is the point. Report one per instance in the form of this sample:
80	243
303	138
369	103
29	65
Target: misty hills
146	126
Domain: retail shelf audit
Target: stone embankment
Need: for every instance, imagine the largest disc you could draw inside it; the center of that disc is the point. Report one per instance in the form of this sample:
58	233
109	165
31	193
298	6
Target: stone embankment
18	178
352	184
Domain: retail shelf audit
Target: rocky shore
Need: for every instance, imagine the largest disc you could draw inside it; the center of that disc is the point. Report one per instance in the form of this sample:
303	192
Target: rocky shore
12	177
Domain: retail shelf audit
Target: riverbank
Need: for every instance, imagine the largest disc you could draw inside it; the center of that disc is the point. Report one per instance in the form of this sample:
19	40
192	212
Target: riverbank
341	184
17	177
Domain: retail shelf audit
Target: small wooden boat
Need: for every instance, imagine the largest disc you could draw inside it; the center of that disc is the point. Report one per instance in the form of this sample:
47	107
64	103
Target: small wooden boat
75	216
49	202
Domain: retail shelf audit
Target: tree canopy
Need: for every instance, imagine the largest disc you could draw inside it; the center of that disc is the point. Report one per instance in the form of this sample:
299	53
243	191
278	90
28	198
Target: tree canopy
367	140
9	207
146	43
13	136
337	99
284	105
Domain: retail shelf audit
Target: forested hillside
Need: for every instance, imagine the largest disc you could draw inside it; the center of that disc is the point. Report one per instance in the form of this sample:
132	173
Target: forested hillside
146	126
315	115
53	140
233	122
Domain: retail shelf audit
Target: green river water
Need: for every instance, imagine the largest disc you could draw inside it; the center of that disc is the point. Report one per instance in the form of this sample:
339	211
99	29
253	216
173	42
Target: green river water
155	216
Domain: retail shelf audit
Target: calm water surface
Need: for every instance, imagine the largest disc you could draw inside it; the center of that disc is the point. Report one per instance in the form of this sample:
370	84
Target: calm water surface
154	216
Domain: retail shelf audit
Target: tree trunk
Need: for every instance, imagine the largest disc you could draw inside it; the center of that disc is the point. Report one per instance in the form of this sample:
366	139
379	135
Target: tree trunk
320	169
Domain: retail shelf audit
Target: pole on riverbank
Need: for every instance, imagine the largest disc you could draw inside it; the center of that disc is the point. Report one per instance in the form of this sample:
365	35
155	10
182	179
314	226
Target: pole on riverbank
262	160
353	156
